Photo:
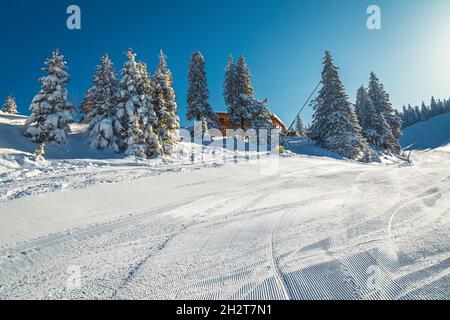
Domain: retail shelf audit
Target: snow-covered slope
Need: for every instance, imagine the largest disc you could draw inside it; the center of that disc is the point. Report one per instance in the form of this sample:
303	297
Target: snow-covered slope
74	165
431	134
77	165
311	227
11	137
319	228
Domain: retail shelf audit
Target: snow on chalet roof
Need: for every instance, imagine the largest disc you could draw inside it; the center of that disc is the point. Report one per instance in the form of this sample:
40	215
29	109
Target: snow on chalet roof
273	115
278	119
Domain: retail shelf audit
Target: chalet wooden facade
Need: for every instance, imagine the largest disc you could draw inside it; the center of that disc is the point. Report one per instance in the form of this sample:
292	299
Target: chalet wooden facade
223	121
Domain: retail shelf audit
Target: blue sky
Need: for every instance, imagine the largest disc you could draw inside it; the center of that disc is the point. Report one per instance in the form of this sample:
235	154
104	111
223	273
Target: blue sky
283	41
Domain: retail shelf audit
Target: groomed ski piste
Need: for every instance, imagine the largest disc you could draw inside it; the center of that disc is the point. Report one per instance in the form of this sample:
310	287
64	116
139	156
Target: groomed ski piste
304	224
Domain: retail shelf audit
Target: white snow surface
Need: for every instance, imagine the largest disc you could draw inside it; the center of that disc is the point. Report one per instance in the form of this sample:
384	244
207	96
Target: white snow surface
431	134
317	228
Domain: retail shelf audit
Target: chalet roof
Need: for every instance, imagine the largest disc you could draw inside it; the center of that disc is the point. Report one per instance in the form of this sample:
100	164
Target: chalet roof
224	113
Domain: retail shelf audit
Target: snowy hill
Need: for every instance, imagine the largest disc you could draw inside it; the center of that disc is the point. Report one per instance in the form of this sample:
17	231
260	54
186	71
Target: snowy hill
315	229
431	134
11	137
77	165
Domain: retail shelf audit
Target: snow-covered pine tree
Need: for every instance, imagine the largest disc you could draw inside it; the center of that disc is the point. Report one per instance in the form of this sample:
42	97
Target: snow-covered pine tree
198	95
229	92
360	105
412	116
381	103
165	106
399	115
440	107
433	107
335	125
87	106
404	118
241	112
10	106
135	113
146	87
418	114
447	106
101	113
436	107
425	113
51	113
374	128
299	127
243	78
261	119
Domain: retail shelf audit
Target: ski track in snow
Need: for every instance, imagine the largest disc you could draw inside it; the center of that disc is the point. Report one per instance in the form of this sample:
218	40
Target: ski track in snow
312	231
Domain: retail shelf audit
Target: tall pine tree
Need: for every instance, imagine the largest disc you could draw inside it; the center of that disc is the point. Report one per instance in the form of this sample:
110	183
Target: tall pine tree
135	112
198	108
381	103
165	106
403	114
51	113
101	101
261	120
424	112
229	91
335	125
412	116
299	127
434	107
440	107
241	111
447	105
418	113
374	128
361	105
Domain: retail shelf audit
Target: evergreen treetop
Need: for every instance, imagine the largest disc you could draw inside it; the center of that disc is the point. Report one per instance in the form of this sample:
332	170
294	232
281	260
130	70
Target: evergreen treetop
10	106
51	113
198	93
